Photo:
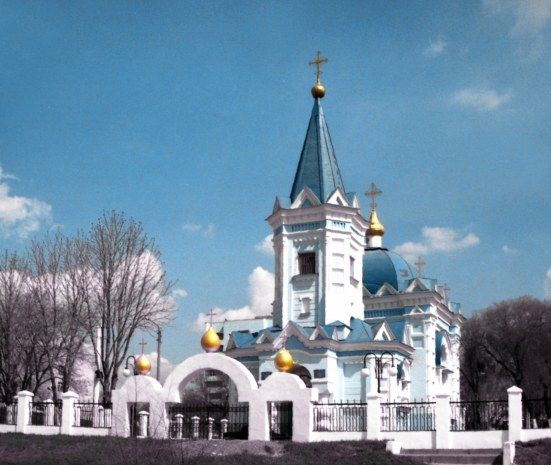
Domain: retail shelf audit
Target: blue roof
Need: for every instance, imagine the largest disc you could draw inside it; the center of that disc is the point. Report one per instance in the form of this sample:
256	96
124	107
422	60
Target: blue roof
317	168
359	331
383	266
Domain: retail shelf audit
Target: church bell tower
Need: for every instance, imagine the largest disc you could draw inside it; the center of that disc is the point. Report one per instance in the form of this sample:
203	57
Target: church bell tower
318	234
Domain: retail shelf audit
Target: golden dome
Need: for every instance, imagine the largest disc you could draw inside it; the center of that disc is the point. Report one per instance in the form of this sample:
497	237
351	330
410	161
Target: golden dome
142	365
210	342
374	228
318	91
283	360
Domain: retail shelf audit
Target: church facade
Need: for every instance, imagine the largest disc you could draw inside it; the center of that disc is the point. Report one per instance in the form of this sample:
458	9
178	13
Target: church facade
354	315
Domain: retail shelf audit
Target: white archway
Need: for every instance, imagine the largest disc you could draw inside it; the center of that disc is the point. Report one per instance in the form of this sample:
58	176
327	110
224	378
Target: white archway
185	371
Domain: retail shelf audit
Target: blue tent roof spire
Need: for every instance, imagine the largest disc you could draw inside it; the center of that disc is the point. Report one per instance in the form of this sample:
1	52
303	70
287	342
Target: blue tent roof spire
317	168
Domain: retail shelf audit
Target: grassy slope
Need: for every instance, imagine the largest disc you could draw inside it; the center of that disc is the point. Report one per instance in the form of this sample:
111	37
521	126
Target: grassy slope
17	449
533	452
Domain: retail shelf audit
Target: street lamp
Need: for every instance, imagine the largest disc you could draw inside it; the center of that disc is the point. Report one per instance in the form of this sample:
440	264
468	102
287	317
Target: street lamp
126	372
380	363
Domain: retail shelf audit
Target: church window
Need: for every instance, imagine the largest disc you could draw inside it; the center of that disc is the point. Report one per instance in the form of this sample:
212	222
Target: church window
265	374
305	309
319	374
352	267
307	263
418	343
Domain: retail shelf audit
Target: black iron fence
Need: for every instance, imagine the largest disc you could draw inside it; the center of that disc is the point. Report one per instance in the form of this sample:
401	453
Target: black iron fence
45	413
408	416
92	415
536	413
8	414
479	415
280	416
341	416
209	421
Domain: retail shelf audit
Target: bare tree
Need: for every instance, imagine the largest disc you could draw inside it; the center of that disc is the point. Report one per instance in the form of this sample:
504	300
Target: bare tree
126	291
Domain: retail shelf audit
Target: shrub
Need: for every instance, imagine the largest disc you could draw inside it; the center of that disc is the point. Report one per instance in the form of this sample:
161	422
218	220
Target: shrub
533	453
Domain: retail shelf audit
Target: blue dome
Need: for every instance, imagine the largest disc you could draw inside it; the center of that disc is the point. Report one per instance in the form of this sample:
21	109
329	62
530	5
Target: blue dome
383	266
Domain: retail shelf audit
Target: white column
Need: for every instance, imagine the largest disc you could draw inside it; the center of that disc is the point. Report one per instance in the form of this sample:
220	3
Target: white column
374	416
144	417
514	395
509	453
223	427
259	429
24	399
49	412
68	417
211	428
179	425
443	421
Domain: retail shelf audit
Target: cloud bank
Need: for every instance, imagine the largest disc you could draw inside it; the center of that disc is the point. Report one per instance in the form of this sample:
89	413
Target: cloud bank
265	247
436	240
481	99
261	296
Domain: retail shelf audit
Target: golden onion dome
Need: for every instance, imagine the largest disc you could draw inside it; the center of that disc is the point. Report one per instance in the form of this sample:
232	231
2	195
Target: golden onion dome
374	228
283	360
142	365
210	342
318	91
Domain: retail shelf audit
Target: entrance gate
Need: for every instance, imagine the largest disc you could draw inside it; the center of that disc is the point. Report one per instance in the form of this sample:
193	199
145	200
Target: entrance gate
192	421
281	420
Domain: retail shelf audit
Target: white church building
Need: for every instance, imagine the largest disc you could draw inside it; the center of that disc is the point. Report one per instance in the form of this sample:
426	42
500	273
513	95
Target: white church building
353	314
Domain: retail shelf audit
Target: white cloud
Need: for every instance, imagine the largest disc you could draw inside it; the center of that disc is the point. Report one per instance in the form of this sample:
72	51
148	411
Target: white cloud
481	99
547	284
509	250
20	216
436	240
261	296
207	230
265	246
179	293
436	47
529	16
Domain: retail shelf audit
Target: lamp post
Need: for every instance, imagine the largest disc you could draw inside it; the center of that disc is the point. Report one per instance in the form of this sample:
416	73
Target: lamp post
126	372
379	365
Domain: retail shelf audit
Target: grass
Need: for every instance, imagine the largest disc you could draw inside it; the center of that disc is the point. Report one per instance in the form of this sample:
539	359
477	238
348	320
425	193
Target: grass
19	449
533	452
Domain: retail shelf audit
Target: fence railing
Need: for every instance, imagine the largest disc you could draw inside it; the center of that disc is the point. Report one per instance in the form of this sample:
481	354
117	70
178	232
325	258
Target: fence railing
342	416
92	415
192	421
408	416
45	414
8	414
478	415
536	413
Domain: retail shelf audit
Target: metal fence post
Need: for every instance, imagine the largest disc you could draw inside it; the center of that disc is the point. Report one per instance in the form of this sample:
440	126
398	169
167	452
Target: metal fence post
49	412
68	416
442	412
514	399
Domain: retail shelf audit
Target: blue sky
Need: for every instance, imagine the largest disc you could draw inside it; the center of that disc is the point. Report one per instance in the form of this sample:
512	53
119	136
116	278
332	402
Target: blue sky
190	117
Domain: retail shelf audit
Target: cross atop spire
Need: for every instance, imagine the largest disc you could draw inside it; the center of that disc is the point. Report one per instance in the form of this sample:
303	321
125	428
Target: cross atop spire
211	314
419	265
142	344
373	193
317	62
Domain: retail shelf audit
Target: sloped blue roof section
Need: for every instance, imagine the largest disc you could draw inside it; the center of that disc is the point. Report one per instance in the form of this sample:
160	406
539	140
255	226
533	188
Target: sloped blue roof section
359	331
317	168
242	339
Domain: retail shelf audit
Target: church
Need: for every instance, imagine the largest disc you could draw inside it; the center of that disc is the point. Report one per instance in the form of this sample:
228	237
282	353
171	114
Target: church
353	316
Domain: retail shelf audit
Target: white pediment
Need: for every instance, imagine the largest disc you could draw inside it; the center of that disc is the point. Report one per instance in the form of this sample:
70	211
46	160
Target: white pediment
305	195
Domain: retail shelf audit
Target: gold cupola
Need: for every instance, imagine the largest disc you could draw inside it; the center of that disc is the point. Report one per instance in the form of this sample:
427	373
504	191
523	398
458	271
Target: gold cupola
210	342
142	365
283	360
318	91
374	226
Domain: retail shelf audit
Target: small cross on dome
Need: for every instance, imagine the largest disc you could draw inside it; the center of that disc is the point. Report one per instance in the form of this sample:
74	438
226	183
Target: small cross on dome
373	193
419	265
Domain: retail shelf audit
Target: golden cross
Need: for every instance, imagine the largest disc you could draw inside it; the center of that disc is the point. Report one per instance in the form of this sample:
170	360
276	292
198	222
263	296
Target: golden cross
317	62
211	314
143	344
419	265
373	192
